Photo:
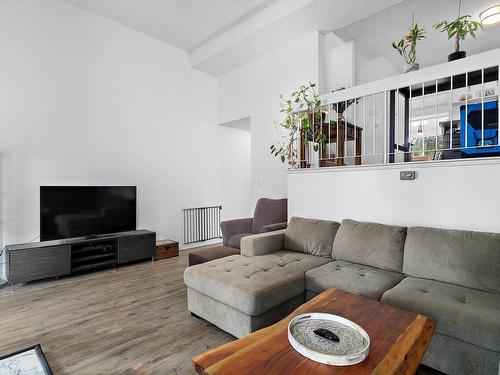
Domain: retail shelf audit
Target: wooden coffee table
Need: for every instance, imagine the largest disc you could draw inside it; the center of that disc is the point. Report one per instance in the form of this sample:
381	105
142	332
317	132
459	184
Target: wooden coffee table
399	339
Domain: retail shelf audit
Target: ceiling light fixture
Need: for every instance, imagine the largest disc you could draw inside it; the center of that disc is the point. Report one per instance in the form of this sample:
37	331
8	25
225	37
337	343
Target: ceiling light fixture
491	15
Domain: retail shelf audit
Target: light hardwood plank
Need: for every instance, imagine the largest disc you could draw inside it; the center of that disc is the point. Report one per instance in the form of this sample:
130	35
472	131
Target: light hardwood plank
127	320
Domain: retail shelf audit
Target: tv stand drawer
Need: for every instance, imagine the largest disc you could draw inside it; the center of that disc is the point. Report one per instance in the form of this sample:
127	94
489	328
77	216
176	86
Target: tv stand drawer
39	263
136	247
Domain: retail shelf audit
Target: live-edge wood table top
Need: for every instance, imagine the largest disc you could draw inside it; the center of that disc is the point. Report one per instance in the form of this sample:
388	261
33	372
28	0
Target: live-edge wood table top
399	339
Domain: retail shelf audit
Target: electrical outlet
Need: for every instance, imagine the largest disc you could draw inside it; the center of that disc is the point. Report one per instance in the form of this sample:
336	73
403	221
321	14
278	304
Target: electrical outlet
407	175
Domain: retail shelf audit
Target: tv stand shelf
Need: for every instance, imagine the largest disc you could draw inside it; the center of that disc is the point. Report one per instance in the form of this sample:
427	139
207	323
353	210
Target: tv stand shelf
94	254
41	260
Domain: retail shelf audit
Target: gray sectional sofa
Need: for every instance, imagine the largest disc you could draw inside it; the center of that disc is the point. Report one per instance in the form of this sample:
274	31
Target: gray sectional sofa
451	276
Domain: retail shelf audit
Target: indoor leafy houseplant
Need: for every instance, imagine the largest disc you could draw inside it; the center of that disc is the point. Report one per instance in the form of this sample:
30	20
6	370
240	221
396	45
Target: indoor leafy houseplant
407	46
342	106
459	29
302	120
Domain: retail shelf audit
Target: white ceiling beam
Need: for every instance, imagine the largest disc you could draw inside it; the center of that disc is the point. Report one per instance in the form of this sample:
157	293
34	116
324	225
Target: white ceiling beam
277	24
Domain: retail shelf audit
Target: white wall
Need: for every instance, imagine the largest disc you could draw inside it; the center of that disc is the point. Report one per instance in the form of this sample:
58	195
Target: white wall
336	59
460	195
253	91
373	69
236	178
84	100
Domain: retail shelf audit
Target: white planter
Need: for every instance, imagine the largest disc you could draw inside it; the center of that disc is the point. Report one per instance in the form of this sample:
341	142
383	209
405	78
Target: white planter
410	67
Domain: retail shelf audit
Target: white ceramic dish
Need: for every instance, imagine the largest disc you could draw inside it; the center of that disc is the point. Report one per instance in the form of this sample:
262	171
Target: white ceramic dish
353	347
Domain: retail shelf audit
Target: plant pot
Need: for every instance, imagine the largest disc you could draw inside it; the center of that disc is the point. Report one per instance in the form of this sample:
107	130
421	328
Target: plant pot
456	55
410	67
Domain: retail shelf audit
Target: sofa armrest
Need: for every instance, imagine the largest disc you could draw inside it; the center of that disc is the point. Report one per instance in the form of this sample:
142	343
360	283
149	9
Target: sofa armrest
231	227
263	243
273	227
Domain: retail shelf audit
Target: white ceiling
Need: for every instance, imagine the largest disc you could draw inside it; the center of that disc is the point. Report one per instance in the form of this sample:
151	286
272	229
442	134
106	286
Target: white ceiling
185	24
373	35
278	24
221	35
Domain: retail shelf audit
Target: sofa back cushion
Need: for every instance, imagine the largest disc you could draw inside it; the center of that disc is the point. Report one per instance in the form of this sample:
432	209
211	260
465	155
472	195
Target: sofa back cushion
371	244
466	258
311	236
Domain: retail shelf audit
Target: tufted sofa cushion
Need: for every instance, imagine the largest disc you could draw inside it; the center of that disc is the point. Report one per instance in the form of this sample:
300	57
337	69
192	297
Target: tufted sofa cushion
372	244
467	314
351	277
311	236
253	285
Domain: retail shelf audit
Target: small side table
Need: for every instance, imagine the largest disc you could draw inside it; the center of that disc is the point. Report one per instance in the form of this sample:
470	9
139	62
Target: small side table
166	249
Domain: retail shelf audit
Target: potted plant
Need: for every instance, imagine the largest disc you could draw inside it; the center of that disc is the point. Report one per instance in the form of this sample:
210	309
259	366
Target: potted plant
407	46
459	29
342	106
302	121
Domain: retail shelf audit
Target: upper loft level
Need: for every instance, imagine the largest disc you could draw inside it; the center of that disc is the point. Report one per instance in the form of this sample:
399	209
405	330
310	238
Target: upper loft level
443	112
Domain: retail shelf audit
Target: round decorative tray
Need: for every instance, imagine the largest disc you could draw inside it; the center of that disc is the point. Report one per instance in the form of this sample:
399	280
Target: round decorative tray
353	345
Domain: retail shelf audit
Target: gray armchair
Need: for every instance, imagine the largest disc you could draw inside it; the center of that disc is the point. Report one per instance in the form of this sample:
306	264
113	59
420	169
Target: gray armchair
269	215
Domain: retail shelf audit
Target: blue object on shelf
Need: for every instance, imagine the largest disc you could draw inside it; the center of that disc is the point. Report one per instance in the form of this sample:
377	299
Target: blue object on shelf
471	133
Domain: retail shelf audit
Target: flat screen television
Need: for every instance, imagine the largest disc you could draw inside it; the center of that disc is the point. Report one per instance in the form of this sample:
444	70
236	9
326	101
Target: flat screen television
83	211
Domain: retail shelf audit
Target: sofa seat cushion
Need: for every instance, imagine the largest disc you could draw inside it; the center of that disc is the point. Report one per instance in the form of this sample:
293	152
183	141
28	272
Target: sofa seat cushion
235	240
351	277
377	245
253	285
467	314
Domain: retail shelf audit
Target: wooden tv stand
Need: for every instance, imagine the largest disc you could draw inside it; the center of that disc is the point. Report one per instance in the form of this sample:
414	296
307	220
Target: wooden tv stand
41	260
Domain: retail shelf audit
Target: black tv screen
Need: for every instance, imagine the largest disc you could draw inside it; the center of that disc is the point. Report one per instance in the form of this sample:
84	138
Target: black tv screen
81	211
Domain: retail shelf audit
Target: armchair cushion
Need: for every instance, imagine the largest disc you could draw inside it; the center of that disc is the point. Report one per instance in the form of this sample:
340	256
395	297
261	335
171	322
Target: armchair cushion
269	211
231	227
235	240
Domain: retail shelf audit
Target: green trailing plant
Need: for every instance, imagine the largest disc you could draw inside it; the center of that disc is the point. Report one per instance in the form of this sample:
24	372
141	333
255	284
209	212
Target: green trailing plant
407	46
459	28
302	119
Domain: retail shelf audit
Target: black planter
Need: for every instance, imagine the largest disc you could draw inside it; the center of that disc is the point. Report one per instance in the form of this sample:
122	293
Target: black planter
456	55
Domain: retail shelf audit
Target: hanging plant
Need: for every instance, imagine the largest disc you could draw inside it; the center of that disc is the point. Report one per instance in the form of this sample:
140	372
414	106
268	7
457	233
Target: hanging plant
459	29
302	119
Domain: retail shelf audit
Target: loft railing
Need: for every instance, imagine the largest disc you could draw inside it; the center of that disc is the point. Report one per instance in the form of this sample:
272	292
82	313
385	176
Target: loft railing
449	111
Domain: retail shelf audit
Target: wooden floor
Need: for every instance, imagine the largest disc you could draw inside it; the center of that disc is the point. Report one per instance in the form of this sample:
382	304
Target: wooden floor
127	320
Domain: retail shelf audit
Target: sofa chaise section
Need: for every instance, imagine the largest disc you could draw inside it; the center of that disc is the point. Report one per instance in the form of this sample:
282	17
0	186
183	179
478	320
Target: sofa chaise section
243	293
453	277
368	260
